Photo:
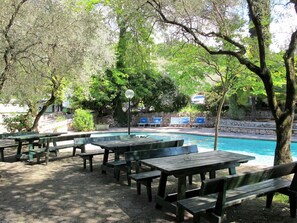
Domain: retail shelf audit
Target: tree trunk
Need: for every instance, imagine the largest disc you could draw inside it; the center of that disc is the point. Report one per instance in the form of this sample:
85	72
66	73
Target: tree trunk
284	136
253	112
42	111
218	119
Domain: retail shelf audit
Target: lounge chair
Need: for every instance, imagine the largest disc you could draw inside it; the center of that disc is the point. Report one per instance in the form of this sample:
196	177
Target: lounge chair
185	121
200	121
179	121
174	121
143	121
157	121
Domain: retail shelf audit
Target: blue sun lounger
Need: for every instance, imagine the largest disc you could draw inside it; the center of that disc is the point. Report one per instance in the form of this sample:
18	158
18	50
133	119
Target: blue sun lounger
157	121
200	121
143	121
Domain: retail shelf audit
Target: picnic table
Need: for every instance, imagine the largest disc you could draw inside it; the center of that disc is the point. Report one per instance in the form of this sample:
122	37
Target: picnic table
30	138
185	165
120	146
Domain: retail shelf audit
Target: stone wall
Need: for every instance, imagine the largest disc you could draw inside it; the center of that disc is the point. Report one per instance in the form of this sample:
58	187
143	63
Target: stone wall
263	128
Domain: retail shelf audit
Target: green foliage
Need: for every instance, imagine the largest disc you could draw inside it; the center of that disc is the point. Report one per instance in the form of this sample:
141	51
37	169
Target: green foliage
83	120
236	111
281	198
165	96
18	123
180	60
193	109
60	118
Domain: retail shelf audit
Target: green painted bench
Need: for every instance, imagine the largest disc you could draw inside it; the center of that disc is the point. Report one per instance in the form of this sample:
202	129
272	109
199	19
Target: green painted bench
4	145
217	194
145	178
121	165
49	145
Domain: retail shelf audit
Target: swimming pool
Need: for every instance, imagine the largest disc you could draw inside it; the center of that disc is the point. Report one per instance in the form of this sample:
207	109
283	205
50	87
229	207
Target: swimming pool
263	150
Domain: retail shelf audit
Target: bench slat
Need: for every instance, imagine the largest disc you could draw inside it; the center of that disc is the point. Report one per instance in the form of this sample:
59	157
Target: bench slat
145	175
236	196
217	194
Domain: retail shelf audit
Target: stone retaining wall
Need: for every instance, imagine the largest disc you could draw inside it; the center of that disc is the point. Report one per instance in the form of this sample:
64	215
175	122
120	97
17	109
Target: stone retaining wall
263	128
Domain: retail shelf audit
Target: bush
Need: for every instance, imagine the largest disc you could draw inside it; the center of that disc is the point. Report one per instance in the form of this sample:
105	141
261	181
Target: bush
236	111
18	123
83	120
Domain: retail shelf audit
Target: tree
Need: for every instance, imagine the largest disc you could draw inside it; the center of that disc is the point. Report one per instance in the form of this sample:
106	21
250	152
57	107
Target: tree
64	49
203	24
10	54
188	65
224	73
135	67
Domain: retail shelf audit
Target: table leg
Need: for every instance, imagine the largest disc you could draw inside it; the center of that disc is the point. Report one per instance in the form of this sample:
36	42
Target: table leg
162	187
19	150
105	159
31	152
232	170
2	154
116	156
212	174
181	194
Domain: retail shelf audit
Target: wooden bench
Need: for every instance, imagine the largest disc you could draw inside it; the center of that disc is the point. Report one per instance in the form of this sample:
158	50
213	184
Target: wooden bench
147	177
217	194
119	165
49	145
4	145
82	142
66	141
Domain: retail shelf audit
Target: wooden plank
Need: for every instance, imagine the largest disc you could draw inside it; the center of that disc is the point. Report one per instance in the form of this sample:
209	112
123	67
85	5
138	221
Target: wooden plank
161	152
236	196
215	185
206	161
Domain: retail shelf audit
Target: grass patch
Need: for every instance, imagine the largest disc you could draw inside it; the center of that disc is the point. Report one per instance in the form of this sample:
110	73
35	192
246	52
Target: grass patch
279	198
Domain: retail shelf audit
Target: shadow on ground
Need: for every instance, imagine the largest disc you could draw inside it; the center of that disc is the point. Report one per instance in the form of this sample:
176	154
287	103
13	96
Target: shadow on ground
63	191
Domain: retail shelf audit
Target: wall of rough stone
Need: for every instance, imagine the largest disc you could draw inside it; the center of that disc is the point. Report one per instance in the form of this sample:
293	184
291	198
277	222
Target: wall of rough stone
263	128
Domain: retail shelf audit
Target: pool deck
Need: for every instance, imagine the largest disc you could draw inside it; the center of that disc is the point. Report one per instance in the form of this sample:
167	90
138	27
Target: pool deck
198	131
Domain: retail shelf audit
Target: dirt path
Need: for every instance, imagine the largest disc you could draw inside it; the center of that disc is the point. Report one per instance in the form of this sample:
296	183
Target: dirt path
64	192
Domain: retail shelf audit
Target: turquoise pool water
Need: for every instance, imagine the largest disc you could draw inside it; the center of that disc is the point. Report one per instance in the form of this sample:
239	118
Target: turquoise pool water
263	150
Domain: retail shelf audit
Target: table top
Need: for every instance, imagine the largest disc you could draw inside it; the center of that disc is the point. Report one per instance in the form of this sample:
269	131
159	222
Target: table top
34	136
124	142
204	161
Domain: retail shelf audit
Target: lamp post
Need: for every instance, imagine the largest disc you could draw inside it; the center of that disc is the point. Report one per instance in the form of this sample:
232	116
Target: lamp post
129	94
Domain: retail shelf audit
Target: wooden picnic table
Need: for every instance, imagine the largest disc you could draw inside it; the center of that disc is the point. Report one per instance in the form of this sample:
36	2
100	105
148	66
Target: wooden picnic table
120	146
185	165
30	138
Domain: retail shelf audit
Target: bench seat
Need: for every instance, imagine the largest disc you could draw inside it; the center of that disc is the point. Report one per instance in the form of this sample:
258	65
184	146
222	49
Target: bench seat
4	145
89	156
145	175
201	204
217	194
116	163
145	178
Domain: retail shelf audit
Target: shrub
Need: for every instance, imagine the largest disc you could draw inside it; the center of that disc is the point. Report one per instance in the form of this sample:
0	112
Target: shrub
18	123
83	120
